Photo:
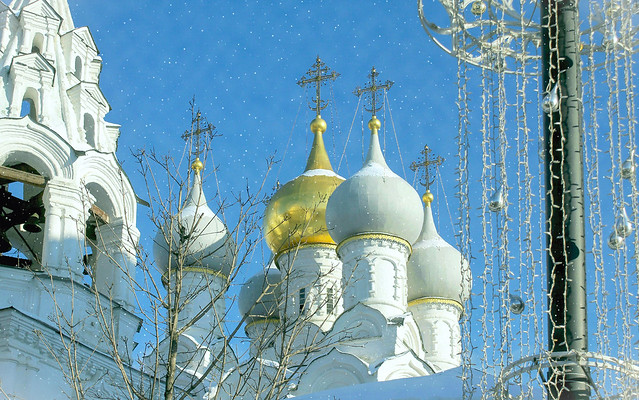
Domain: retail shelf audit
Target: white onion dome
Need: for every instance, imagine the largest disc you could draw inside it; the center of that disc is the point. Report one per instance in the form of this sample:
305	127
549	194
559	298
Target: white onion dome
374	200
435	268
295	215
260	295
198	235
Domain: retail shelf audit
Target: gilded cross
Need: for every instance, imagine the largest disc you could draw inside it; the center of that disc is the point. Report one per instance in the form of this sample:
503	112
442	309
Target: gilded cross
426	164
318	74
373	87
199	127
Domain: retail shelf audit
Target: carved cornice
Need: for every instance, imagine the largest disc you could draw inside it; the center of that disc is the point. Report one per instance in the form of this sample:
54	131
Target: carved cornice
322	249
378	237
437	302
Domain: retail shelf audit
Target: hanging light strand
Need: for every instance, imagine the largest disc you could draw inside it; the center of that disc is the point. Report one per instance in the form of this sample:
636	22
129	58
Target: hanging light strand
463	221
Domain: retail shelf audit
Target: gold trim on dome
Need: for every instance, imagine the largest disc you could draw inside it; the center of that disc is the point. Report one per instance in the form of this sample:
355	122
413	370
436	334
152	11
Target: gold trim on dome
301	246
384	236
262	321
431	300
201	270
204	271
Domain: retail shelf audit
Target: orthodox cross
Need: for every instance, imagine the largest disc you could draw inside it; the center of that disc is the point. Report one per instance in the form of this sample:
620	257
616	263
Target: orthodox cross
318	74
199	127
427	163
373	87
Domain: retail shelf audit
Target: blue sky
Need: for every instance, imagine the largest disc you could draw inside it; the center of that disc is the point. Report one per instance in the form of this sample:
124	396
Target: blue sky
241	60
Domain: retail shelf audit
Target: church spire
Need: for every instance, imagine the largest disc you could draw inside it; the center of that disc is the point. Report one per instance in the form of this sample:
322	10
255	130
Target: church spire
318	74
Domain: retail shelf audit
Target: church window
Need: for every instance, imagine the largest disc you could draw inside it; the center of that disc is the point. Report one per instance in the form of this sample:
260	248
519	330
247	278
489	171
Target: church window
89	129
329	300
28	109
302	299
78	68
38	43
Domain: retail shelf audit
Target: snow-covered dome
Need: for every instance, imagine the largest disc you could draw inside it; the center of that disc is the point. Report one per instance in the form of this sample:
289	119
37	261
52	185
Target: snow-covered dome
296	213
435	268
197	233
260	295
374	200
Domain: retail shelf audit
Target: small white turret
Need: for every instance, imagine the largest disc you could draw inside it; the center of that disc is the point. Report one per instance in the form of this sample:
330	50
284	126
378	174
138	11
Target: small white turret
197	244
439	284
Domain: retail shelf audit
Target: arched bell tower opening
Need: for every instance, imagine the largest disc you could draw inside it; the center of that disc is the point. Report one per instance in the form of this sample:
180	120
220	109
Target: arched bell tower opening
22	216
30	104
109	260
101	213
38	43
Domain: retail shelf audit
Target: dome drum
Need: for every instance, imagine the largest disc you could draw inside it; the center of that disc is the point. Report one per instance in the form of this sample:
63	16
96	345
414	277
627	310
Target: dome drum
260	296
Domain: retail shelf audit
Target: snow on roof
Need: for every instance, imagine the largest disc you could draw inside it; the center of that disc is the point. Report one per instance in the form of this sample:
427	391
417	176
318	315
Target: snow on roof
441	386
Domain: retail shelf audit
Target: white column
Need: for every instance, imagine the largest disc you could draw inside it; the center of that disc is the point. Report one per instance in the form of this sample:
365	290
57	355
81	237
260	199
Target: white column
312	274
374	273
27	40
5	35
438	322
115	261
45	109
47	51
66	214
16	99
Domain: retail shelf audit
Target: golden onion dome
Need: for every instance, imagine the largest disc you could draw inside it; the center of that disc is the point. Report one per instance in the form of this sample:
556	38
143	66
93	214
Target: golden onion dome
296	213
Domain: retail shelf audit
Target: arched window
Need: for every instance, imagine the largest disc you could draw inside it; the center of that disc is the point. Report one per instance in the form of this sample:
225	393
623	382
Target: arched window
89	129
28	108
78	68
38	43
30	104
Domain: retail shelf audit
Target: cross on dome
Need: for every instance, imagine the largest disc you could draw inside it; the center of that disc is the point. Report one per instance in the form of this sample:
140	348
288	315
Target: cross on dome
318	74
426	164
372	88
199	127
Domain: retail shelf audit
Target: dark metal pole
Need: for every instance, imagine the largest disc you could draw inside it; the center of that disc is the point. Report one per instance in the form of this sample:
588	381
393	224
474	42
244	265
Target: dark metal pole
564	198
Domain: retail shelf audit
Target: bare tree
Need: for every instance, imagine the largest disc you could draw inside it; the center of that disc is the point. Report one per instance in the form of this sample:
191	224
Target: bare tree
188	336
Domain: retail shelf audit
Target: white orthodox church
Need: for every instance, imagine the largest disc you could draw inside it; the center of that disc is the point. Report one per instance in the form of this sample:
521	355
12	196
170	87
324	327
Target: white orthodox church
362	289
